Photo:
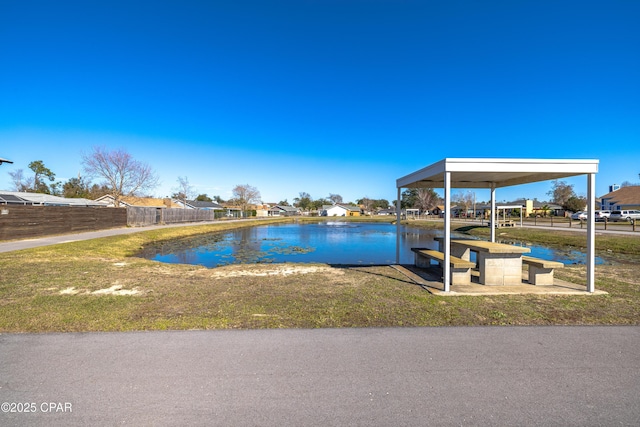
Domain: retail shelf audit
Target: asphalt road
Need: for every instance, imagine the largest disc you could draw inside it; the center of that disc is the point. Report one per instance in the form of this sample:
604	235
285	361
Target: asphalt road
498	376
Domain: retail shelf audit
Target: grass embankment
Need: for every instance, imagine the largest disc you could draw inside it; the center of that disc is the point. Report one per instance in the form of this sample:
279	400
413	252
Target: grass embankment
99	285
605	243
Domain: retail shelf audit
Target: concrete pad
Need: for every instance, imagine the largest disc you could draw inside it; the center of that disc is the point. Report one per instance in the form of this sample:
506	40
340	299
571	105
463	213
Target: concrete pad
431	280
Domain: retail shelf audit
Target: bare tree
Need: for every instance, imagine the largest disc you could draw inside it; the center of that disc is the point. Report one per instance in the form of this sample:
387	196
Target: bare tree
184	190
426	199
38	182
20	182
245	195
122	175
560	192
367	204
335	198
464	200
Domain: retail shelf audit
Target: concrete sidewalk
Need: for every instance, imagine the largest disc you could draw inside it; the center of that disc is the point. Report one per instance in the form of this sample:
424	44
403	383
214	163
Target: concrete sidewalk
16	245
450	376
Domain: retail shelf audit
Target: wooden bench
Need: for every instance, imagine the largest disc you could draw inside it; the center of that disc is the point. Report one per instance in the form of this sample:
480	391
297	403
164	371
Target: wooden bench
460	268
541	270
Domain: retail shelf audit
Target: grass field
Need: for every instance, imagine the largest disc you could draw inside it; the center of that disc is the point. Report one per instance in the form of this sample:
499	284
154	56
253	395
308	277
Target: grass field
99	285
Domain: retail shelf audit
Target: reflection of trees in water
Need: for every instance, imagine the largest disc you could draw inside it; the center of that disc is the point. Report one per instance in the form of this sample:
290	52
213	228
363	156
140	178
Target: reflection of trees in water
417	238
189	256
246	246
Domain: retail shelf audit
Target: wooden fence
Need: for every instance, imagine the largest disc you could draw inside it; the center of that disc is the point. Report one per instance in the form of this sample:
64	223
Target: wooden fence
20	222
141	216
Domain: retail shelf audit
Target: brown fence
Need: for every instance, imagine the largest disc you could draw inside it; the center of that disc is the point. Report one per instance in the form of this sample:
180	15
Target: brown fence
19	222
141	216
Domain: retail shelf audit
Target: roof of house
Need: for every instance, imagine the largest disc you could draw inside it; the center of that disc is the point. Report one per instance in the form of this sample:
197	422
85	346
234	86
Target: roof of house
200	204
147	202
623	196
343	206
284	208
24	198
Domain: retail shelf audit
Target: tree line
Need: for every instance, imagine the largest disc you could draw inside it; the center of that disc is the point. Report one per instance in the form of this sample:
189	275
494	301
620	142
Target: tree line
120	175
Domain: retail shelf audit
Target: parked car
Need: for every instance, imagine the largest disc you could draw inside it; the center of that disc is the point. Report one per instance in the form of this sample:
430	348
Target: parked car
602	215
579	215
624	215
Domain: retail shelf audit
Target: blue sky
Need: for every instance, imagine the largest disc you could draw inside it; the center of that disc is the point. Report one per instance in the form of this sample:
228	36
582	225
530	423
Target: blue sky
324	96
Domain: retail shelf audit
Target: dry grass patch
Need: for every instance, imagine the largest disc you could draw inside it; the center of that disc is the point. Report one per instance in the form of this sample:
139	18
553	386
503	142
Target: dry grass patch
99	286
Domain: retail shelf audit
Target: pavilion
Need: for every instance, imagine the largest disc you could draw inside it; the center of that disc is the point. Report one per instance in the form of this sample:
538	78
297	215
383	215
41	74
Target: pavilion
493	174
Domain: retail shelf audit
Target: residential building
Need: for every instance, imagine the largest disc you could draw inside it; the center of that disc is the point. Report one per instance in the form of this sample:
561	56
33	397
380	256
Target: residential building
41	199
145	202
340	210
622	198
279	210
200	204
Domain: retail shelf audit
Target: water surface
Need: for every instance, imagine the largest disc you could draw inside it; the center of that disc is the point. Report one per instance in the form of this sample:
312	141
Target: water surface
325	242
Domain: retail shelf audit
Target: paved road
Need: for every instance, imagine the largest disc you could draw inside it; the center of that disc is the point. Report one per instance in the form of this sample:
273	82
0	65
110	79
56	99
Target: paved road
499	376
15	245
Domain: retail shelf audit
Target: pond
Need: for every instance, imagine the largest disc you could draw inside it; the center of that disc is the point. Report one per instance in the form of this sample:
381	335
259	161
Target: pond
347	243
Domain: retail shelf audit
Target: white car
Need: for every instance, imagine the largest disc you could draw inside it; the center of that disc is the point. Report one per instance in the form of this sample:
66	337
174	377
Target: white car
579	215
628	215
602	215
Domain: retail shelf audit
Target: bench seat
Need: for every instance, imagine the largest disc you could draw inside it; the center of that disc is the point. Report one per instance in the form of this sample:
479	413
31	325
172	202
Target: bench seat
541	270
460	268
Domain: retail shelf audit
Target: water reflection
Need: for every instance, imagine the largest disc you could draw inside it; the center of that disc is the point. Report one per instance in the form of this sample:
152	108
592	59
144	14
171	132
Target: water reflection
326	242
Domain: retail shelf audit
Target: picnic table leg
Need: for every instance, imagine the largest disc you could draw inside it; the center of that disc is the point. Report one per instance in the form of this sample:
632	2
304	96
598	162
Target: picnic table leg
500	269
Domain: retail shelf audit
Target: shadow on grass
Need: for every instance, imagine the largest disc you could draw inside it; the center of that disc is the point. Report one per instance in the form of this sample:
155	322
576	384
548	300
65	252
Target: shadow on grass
364	269
469	228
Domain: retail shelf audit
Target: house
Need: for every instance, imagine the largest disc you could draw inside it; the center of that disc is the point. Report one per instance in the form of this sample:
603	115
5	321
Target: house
438	210
622	198
220	211
200	204
41	199
389	211
279	210
340	210
546	209
235	211
145	202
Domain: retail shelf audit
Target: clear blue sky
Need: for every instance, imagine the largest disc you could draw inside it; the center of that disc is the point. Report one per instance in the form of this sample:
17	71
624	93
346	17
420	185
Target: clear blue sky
324	96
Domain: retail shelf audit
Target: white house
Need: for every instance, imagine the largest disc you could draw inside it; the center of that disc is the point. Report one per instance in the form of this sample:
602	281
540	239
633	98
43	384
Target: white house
340	210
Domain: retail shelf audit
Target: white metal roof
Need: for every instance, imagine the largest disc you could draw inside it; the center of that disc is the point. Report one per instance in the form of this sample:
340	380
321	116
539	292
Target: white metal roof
47	199
485	173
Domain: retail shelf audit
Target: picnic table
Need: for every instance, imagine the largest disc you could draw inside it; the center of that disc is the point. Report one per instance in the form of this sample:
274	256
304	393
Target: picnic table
498	263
